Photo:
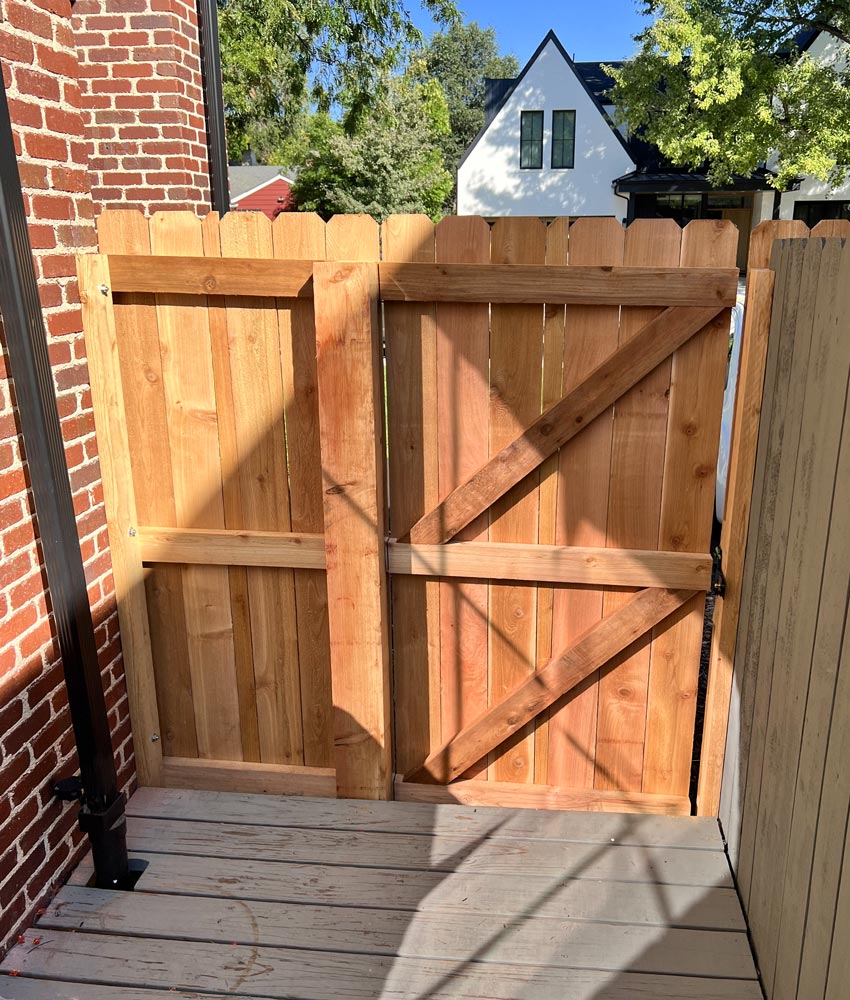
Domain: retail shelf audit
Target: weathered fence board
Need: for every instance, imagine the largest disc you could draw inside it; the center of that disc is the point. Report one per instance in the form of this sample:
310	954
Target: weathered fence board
785	796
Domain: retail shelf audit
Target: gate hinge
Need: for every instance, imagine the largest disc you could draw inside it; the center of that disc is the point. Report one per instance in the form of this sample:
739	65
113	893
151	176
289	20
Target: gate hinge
718	580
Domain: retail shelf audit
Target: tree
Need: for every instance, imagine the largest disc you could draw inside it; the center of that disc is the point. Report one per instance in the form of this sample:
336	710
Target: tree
277	55
460	58
725	83
390	164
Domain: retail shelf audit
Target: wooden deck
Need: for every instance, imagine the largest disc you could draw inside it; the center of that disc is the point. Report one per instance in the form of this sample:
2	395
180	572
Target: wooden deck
264	897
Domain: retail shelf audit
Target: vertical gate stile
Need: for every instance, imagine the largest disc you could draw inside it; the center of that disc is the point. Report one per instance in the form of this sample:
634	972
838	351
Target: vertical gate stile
120	501
350	369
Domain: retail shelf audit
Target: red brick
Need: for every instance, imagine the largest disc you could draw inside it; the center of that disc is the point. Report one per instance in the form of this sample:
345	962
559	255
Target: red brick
33	175
21	14
25	113
56	61
37	84
60	120
15	49
42	237
53	207
43	146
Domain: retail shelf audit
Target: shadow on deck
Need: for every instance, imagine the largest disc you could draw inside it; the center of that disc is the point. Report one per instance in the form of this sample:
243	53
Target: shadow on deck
267	897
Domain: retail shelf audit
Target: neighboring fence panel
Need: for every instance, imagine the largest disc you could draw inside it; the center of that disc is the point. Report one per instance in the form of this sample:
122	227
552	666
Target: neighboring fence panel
786	792
507	553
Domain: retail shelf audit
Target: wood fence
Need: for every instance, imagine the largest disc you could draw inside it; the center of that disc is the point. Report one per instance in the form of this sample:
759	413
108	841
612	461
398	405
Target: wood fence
501	439
786	786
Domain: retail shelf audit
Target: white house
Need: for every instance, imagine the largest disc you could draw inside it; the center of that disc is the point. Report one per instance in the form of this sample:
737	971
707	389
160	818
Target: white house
549	94
549	147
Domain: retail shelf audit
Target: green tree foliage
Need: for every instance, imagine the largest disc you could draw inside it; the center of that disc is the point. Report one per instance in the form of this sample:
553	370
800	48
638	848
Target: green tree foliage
460	58
722	83
391	163
278	55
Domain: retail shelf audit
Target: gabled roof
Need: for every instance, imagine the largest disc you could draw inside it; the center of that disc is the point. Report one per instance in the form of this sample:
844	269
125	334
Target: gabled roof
247	180
590	88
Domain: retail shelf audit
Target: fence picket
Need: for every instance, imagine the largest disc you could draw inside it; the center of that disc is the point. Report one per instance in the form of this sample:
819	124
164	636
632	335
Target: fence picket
258	403
634	510
411	386
150	460
190	410
463	392
301	236
584	464
516	364
554	316
687	502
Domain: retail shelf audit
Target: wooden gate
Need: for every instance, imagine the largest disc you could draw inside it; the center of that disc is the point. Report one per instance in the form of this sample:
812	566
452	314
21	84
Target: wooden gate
551	398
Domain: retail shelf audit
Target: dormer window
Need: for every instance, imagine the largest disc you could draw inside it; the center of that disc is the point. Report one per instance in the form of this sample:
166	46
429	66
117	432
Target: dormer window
563	139
531	140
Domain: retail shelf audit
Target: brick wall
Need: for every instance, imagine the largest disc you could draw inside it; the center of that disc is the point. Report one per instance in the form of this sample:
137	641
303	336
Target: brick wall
143	102
138	90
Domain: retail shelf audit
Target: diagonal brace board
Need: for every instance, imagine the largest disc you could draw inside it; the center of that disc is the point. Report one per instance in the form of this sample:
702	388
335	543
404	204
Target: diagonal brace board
561	422
588	653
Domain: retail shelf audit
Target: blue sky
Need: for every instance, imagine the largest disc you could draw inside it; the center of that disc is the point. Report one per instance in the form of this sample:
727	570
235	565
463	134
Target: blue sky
599	29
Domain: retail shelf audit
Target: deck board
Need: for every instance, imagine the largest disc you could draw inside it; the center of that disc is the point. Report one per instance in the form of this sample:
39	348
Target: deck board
267	897
428	820
445	854
458	936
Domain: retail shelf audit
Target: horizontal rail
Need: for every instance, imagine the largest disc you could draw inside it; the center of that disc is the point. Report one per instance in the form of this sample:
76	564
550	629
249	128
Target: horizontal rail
553	564
220	547
498	283
511	795
287	279
246	777
468	560
576	284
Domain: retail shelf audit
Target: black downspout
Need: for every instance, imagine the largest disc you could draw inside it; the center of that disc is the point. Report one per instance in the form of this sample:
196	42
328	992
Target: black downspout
102	806
214	105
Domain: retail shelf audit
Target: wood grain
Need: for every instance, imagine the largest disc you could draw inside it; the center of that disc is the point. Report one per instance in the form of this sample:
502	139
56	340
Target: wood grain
634	503
518	281
516	364
463	397
258	401
111	424
687	507
190	410
299	235
411	386
521	455
590	652
349	369
733	538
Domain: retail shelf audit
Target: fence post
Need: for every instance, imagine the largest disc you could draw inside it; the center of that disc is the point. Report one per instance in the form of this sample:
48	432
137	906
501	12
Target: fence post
348	343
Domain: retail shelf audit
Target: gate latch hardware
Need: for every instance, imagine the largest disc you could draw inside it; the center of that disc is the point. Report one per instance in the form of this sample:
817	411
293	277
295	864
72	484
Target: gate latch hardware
718	580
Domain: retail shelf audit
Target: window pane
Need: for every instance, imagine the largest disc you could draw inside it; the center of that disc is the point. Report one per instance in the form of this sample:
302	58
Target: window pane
563	138
531	140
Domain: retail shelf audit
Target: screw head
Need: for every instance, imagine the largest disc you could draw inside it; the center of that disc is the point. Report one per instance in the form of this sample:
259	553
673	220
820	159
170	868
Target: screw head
154	737
132	532
103	289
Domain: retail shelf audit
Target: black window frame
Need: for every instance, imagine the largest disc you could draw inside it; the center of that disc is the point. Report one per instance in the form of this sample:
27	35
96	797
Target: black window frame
559	143
533	116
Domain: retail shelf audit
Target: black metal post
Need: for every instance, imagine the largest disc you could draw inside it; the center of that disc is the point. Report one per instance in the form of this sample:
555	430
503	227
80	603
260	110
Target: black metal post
102	808
214	103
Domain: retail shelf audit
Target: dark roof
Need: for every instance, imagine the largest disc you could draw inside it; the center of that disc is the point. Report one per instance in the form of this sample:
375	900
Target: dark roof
550	37
679	181
597	81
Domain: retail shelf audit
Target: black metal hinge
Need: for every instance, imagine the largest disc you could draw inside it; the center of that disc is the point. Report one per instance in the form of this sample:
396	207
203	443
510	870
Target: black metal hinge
718	580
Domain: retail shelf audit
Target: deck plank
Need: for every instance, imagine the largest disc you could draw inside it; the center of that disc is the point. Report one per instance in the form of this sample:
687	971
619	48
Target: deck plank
400	851
310	975
559	896
459	937
433	820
